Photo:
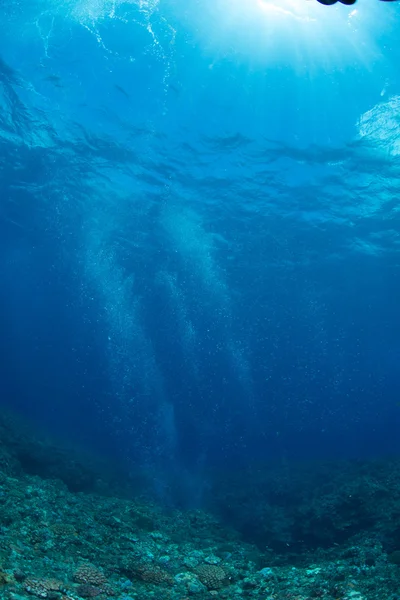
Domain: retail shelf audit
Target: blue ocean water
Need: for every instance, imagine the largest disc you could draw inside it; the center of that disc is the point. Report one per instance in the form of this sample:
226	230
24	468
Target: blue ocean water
199	229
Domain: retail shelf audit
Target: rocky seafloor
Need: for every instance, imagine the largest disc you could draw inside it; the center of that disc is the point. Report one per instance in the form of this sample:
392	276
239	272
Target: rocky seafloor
65	541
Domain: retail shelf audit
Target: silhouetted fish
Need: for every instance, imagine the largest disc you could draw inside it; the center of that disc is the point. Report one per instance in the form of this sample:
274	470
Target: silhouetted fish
122	91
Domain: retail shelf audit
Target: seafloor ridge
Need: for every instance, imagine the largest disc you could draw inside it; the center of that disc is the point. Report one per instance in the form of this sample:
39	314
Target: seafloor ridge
69	532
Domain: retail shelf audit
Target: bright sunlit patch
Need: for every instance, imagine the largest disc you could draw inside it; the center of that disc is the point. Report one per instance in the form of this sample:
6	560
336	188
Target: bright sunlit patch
298	9
293	31
287	9
296	17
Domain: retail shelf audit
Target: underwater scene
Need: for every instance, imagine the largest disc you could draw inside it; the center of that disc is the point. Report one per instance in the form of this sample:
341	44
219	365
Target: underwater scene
200	299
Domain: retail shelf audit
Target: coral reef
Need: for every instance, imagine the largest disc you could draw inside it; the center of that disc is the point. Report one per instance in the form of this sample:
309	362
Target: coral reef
23	451
302	507
329	531
212	576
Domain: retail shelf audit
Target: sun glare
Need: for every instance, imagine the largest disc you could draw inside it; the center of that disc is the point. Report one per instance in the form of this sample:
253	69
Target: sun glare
292	31
303	34
299	10
271	8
